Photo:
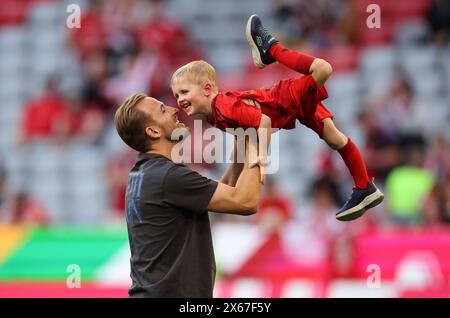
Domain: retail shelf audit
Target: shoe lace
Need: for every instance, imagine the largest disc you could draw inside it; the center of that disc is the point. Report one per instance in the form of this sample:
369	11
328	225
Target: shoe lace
265	33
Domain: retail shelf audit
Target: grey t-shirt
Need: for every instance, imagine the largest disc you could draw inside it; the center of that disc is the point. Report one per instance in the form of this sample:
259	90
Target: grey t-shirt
168	229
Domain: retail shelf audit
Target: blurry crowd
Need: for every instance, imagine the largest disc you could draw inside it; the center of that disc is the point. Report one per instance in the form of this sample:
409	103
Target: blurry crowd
128	46
122	47
319	23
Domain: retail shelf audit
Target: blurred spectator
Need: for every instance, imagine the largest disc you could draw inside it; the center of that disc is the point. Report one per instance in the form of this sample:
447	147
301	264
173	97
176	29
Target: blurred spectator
437	204
445	201
275	208
325	199
167	38
407	186
137	72
24	210
439	21
47	117
120	18
398	112
436	207
87	120
317	23
300	20
381	148
347	21
95	72
91	36
438	158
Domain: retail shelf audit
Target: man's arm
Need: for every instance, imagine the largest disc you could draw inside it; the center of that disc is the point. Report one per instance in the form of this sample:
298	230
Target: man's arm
264	132
320	71
231	175
242	198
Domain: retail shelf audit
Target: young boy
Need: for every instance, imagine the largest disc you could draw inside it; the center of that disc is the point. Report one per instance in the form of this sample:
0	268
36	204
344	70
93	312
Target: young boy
194	86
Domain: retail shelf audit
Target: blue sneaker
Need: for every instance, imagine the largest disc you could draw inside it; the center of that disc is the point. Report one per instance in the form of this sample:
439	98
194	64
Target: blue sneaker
260	41
359	202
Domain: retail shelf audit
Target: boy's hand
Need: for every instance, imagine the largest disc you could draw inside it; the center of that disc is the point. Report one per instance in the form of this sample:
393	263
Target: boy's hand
251	102
260	161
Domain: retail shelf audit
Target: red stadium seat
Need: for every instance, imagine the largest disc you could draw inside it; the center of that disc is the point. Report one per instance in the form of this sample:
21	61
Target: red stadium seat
409	9
342	57
14	11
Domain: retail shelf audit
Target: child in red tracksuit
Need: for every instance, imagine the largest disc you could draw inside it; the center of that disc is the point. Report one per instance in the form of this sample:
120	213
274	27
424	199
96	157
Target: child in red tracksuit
195	88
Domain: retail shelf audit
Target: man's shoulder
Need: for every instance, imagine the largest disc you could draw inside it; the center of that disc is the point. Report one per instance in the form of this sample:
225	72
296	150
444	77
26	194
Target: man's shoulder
177	170
164	171
180	176
180	171
154	164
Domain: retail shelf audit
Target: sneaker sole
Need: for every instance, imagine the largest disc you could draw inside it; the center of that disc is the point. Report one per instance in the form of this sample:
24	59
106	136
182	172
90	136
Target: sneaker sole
371	201
255	52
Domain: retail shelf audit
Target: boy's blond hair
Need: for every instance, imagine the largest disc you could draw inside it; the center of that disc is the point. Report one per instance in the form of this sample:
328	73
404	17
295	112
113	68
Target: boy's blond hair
197	72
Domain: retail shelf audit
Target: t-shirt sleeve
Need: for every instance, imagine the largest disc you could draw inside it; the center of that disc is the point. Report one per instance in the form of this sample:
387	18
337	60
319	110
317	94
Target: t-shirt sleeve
188	190
247	115
233	112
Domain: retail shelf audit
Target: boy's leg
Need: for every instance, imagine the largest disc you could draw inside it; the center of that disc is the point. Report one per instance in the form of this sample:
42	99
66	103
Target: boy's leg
348	151
296	61
365	195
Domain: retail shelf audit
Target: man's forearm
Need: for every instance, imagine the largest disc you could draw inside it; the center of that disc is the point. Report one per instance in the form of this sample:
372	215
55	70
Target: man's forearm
231	175
243	198
248	185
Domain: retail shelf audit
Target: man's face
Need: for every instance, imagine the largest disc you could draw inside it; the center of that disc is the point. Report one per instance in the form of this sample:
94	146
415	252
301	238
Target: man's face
190	96
164	118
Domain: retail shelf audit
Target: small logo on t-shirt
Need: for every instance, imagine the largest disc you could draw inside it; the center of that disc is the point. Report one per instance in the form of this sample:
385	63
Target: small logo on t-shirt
132	197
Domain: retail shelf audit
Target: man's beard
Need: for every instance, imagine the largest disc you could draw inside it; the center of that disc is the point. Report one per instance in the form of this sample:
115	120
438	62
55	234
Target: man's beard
179	134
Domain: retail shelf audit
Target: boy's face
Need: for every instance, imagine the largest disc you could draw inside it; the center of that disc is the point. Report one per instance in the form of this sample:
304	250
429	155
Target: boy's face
191	97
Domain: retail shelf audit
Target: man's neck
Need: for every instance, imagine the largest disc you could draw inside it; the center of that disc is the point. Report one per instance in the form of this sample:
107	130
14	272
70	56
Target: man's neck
164	149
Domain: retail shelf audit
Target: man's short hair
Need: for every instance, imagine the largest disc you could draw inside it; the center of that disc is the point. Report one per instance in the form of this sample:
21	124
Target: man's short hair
131	123
196	72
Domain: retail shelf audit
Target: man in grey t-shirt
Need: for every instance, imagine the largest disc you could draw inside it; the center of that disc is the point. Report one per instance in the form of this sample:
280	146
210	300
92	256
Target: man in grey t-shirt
167	205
